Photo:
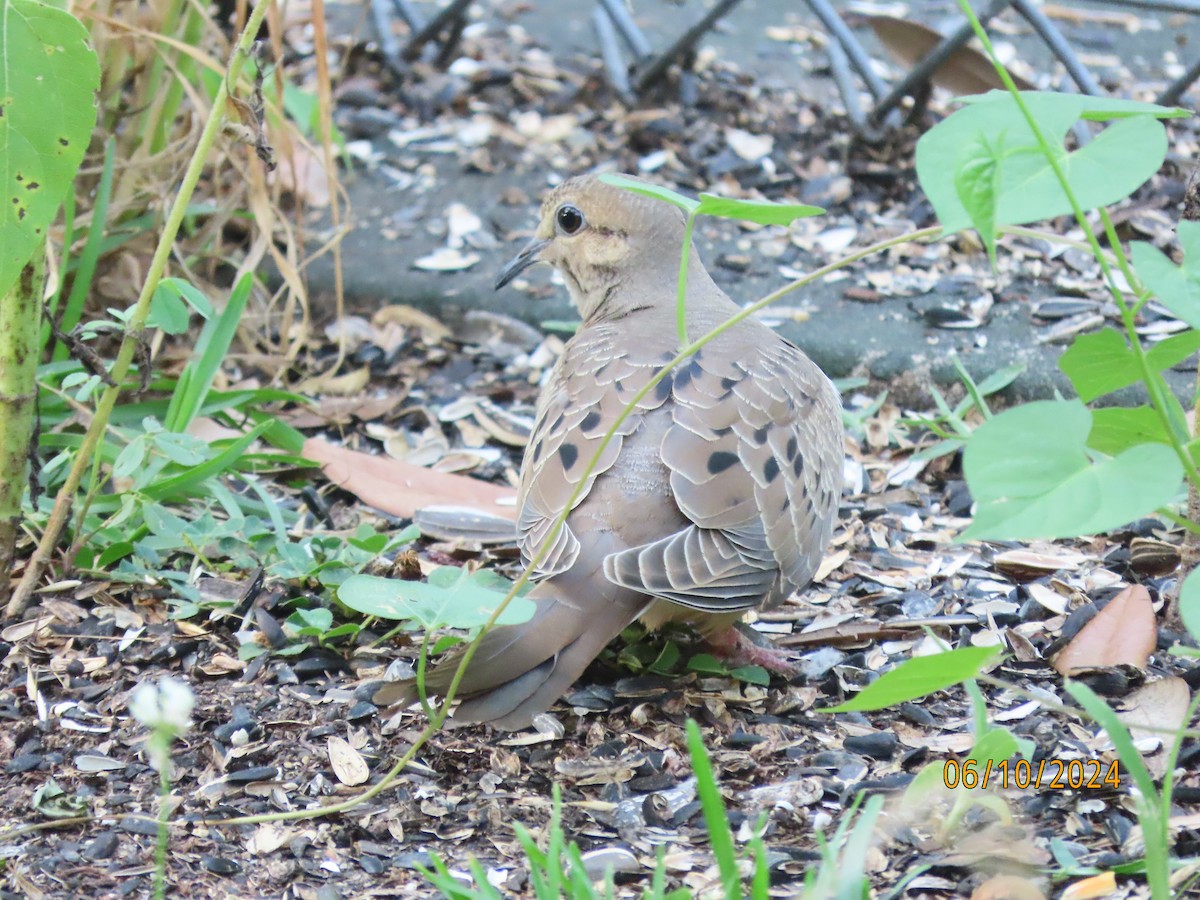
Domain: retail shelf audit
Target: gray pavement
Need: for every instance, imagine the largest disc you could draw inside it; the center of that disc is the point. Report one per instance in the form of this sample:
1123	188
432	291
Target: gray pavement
890	341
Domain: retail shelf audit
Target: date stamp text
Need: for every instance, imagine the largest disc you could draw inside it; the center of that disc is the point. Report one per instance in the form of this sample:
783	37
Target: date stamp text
1047	774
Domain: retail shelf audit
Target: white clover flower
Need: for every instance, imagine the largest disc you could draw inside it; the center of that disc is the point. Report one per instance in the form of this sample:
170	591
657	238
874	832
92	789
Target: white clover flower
167	705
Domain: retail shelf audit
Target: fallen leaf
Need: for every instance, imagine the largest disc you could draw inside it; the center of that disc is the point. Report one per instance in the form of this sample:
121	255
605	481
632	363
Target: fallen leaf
750	147
349	384
1094	886
401	488
446	259
965	71
1125	632
1157	704
409	317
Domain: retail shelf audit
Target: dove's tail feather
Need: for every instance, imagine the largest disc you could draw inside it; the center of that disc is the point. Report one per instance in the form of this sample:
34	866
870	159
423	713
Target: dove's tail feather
519	671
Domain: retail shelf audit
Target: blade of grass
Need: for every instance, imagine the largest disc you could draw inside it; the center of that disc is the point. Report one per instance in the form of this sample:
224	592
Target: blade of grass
213	344
183	484
720	837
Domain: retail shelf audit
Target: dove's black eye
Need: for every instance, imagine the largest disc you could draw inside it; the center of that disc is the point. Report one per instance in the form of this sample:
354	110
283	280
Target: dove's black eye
569	219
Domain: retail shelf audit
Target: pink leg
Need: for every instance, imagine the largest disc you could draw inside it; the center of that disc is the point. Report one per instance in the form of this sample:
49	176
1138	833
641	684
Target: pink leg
735	649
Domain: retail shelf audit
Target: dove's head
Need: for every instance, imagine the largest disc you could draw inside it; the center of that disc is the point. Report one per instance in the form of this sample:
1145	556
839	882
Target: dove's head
599	237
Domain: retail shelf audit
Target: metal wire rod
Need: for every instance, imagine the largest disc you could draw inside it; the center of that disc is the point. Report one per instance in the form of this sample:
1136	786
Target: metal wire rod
855	53
452	10
1058	44
1174	91
610	52
619	16
658	66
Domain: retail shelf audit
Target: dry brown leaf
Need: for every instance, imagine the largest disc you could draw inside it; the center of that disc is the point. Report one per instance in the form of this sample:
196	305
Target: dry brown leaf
327	410
1125	632
966	71
1156	704
304	175
1093	886
1008	887
349	384
401	488
409	317
348	764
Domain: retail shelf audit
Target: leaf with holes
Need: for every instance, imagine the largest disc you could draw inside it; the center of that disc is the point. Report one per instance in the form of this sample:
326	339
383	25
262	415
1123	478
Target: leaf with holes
45	65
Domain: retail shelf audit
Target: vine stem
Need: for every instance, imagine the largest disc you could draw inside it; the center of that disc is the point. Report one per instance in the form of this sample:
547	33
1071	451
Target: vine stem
137	322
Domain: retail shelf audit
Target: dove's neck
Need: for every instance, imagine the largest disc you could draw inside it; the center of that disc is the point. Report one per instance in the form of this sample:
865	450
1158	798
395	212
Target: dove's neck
647	289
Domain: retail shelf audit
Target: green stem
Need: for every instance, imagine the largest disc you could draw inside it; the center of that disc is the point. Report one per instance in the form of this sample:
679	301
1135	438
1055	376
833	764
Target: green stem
20	324
681	296
164	815
137	322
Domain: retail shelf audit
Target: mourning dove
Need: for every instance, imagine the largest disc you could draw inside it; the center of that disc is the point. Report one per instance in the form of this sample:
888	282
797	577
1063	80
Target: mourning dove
717	494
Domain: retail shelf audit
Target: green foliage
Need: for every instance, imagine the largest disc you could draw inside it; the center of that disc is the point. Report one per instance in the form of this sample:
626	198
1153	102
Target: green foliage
1153	805
984	166
951	424
452	597
919	676
554	873
1103	362
758	211
1032	476
1177	287
45	65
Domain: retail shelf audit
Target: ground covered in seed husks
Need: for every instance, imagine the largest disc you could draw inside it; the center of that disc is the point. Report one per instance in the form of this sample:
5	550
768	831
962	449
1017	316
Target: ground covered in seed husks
291	732
294	728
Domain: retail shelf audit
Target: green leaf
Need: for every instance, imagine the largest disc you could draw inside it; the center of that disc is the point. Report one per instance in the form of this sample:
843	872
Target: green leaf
919	676
48	80
196	380
1173	350
752	675
975	185
1116	429
687	204
1177	287
1099	364
995	745
1031	476
1189	602
761	211
461	600
318	619
167	312
720	835
707	664
1106	169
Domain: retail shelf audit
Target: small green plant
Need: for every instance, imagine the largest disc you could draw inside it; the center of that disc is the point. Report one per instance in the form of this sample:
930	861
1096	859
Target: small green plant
950	424
166	709
554	873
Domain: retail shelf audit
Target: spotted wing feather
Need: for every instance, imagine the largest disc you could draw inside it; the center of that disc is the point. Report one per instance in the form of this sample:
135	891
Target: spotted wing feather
590	386
754	453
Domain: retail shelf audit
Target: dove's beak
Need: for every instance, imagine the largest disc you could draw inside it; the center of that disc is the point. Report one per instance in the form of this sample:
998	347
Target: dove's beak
522	261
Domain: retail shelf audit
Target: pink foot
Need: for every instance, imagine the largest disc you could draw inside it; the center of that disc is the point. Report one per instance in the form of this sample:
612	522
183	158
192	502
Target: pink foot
736	649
